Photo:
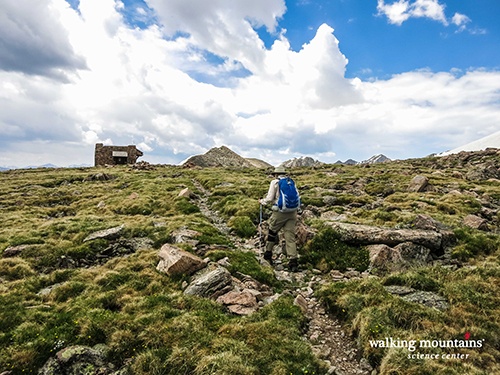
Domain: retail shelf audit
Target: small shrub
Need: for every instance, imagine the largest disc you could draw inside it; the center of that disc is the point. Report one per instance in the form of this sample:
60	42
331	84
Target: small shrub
243	226
70	289
385	216
417	279
184	206
326	251
15	269
379	189
246	263
446	208
472	243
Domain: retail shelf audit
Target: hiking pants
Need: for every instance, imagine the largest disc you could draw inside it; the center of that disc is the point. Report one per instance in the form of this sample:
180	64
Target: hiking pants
287	222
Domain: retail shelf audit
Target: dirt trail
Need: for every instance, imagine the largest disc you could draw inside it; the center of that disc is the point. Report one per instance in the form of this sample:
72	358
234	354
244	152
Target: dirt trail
212	215
328	339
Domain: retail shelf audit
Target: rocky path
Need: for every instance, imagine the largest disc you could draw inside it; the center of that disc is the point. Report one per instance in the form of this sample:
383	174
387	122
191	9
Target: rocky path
212	215
328	339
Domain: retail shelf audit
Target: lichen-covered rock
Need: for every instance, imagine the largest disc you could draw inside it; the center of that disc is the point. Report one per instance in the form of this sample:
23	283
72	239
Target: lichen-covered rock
107	234
211	282
79	360
413	254
370	235
428	299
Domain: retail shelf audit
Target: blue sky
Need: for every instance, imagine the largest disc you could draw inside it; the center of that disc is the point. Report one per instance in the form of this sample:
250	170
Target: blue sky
271	79
373	44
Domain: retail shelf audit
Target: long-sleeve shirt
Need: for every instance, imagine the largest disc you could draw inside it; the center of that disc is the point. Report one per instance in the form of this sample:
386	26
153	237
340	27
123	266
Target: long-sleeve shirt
273	193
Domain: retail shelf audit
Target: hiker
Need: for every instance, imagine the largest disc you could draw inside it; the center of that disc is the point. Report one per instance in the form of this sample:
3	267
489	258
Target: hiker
285	198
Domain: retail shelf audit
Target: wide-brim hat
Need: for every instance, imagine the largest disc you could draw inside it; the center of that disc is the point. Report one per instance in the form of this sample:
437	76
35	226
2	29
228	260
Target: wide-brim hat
280	169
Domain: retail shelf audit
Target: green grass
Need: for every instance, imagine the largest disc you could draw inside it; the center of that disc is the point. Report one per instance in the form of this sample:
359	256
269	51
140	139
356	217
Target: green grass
326	252
374	314
144	318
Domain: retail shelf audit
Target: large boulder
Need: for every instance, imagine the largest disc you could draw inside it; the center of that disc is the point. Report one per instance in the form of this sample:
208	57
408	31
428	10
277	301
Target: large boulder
175	261
370	235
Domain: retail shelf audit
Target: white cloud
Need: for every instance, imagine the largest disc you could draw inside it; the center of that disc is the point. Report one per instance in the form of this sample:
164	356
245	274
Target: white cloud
397	12
224	27
33	40
402	10
460	20
138	86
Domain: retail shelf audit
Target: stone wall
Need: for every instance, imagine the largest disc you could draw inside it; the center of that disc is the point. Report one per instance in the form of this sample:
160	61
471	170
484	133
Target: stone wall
114	155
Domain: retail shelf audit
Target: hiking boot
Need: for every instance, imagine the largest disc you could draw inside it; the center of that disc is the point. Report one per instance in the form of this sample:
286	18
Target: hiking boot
268	255
293	265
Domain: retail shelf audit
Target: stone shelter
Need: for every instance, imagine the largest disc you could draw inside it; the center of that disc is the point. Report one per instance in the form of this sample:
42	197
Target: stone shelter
115	155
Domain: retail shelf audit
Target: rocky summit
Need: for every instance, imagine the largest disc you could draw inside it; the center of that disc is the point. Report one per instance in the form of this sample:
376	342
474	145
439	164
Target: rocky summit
301	162
223	157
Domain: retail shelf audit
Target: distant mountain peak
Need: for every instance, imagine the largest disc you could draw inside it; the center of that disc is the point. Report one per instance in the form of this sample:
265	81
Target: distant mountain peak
303	161
380	158
223	156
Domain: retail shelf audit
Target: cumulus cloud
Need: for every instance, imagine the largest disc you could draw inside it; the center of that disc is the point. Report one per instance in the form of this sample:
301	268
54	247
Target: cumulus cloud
139	85
401	10
224	27
460	20
33	40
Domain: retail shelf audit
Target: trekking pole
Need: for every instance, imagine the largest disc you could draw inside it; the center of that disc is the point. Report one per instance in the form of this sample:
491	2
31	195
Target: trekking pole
260	228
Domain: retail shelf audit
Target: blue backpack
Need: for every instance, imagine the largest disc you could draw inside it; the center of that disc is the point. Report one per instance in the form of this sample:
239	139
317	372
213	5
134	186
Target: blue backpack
289	198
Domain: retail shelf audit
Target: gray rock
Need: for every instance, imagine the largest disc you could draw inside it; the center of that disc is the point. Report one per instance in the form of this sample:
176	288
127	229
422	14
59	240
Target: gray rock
399	290
239	302
185	235
301	302
418	184
425	222
107	234
384	258
414	254
211	282
13	251
370	235
428	299
78	360
476	222
175	261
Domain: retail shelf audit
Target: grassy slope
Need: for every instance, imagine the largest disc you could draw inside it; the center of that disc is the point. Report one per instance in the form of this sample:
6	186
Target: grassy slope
143	316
